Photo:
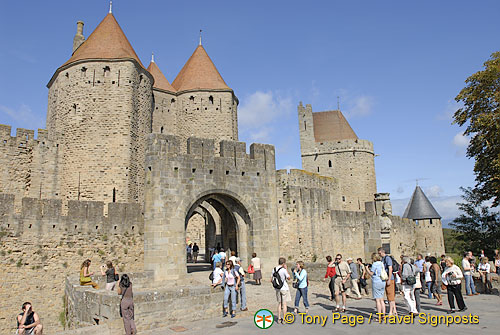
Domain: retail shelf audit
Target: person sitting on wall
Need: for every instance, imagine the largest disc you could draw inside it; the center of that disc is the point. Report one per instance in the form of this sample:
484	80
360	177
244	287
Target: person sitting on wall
85	279
28	322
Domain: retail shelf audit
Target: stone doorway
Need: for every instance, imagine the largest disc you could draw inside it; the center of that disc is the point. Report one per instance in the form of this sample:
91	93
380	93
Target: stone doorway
225	225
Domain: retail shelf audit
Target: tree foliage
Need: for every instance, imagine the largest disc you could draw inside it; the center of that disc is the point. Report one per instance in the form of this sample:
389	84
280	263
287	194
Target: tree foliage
481	115
478	227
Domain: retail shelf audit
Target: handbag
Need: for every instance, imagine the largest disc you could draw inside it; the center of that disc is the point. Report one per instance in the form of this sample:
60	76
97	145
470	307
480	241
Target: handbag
383	274
362	282
250	269
116	277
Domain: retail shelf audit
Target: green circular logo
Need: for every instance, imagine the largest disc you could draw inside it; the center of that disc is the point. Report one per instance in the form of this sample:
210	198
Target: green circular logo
263	318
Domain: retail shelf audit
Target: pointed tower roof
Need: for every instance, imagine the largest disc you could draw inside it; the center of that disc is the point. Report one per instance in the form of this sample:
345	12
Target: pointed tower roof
107	41
420	207
332	126
160	81
199	72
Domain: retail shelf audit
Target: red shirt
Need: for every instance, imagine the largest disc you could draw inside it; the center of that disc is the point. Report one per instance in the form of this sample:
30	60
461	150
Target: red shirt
330	272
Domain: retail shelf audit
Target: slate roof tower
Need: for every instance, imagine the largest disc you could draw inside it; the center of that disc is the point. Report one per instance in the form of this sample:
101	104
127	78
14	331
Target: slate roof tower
428	229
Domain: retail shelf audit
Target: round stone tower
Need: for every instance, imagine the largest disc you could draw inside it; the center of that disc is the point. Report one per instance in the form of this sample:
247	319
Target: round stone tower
165	102
330	147
99	113
206	106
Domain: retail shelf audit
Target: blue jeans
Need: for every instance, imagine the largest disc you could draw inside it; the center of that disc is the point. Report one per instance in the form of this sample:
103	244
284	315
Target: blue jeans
429	293
230	290
301	292
243	295
469	285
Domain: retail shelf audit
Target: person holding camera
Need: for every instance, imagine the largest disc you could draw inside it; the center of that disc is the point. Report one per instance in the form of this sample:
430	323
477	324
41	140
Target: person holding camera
300	274
342	282
28	322
112	277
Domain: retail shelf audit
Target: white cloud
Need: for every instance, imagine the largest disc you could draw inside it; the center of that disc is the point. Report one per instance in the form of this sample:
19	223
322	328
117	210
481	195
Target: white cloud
24	116
460	140
359	106
353	105
447	114
258	111
433	191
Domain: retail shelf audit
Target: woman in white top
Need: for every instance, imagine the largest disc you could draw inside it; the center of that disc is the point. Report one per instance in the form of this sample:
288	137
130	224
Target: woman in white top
217	275
485	270
452	278
428	278
257	275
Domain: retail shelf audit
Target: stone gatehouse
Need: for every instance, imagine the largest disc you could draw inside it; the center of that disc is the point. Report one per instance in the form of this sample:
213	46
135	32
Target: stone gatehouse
128	160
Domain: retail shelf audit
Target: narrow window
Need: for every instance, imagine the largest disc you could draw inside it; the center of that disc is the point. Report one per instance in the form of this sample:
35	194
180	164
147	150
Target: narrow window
106	71
161	130
172	101
74	108
343	198
211	99
329	163
318	168
305	125
114	195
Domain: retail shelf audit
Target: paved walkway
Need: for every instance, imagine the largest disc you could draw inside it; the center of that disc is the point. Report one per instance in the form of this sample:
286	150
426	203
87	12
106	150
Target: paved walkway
486	307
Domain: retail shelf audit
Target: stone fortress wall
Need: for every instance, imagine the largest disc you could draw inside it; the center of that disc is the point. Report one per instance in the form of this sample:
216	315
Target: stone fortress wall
39	247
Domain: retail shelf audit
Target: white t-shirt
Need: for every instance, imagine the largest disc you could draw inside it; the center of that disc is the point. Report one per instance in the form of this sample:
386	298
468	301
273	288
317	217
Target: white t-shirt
217	275
284	276
222	255
233	259
427	272
485	267
466	266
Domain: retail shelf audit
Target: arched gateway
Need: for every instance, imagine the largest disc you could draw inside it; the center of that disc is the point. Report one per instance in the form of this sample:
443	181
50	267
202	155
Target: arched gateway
226	223
234	192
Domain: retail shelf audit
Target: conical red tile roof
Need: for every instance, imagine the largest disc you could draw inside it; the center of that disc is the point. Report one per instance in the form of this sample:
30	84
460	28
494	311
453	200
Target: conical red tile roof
199	72
160	81
107	41
332	126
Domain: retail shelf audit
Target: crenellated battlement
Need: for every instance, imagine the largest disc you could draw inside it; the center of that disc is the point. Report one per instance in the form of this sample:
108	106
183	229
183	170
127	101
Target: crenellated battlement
44	216
22	135
229	153
350	145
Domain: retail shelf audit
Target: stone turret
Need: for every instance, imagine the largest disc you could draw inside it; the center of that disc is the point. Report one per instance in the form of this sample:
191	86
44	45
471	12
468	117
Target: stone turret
164	111
99	113
331	148
206	106
429	230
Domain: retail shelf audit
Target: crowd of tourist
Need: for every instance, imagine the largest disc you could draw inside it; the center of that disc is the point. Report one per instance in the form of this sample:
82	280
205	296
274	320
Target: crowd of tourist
411	278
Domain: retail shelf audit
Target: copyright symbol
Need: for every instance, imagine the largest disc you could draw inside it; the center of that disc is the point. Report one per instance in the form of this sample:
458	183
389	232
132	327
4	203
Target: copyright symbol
289	318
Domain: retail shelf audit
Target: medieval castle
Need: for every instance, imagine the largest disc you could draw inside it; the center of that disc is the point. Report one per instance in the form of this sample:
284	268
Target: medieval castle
125	151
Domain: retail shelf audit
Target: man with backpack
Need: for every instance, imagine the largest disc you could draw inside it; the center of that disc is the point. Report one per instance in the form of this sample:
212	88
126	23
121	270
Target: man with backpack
391	266
279	280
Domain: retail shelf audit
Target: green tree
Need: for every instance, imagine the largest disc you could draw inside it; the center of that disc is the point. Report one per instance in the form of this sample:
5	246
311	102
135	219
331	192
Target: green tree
481	115
478	227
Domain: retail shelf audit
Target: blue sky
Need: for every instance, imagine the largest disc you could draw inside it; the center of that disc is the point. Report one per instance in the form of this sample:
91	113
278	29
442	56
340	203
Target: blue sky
396	66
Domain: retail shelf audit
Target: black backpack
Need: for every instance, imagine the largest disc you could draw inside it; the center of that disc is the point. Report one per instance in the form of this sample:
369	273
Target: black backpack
276	280
211	276
395	265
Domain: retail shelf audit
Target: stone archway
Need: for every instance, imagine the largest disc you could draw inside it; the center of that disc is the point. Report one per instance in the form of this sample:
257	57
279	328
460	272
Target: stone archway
230	228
